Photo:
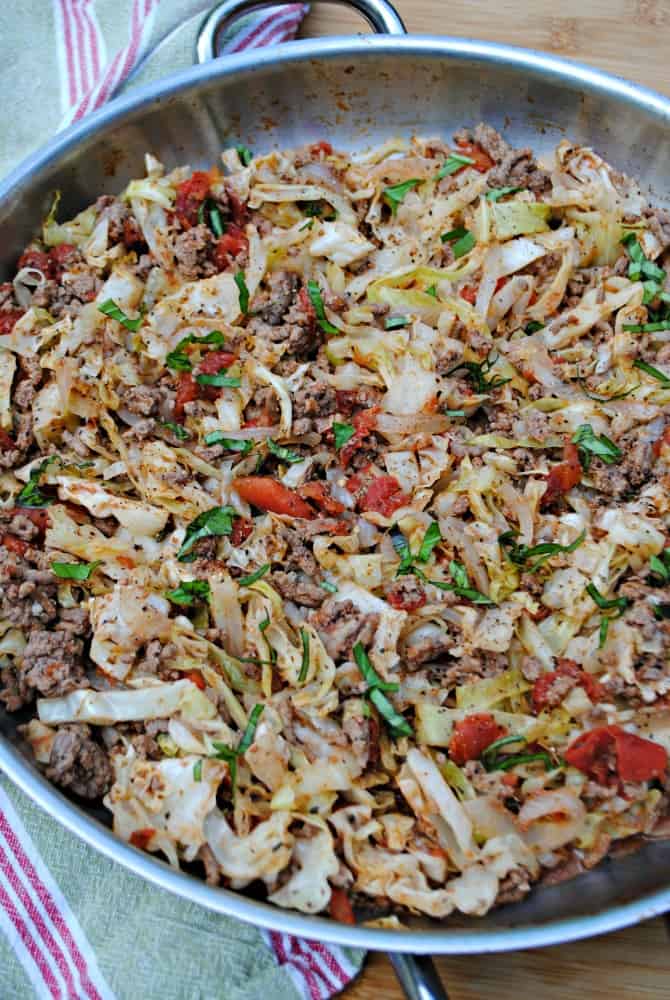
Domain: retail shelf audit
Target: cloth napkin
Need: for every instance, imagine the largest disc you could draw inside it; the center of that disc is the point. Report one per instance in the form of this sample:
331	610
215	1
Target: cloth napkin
74	925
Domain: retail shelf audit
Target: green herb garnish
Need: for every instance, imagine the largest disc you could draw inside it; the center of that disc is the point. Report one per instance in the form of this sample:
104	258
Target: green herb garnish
520	554
454	413
282	453
220	380
110	308
616	604
188	592
244	292
304	666
231	754
533	327
660	565
197	770
395	322
589	443
31	495
654	372
231	444
329	587
179	361
461	240
452	164
245	155
74	571
461	585
246	581
432	290
181	433
494	761
395	195
477	372
314	293
217	521
495	194
376	686
342	433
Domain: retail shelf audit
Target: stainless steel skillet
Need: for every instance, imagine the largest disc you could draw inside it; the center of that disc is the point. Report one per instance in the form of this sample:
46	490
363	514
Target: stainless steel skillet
355	92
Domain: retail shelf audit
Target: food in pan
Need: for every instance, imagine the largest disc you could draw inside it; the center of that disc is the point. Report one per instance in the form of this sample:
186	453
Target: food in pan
334	518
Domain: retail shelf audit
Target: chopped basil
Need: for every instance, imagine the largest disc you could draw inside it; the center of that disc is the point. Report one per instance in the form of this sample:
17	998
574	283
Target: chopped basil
314	293
461	585
179	432
524	758
220	380
342	433
246	581
660	565
661	612
74	571
395	195
312	209
262	626
245	155
606	399
648	327
431	538
231	444
432	290
110	308
197	770
306	225
188	592
244	292
495	194
304	666
520	554
616	604
209	207
454	413
179	361
494	761
217	521
452	164
640	266
376	686
331	588
395	322
590	444
476	372
31	495
461	240
231	754
533	327
654	372
282	453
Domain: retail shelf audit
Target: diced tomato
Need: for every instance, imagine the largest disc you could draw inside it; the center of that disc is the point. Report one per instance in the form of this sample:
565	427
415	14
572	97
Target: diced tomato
500	283
483	161
609	753
510	779
306	306
321	147
364	422
14	544
9	318
566	668
187	391
190	196
232	243
141	838
196	678
238	209
565	475
472	735
38	516
403	602
213	362
346	400
383	496
60	258
469	293
340	907
269	494
242	528
126	562
34	258
319	492
132	234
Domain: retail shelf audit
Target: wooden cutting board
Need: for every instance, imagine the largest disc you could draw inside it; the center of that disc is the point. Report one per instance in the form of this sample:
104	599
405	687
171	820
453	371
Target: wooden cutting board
630	38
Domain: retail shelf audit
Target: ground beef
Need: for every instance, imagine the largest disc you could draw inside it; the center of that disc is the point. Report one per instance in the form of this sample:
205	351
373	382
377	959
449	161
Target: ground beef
514	887
27	588
29	380
157	659
531	667
658	220
14	691
79	764
144	400
341	625
274	302
212	871
74	620
296	587
362	733
16	523
193	251
67	296
426	648
629	474
52	662
298	556
514	167
122	224
263	409
314	399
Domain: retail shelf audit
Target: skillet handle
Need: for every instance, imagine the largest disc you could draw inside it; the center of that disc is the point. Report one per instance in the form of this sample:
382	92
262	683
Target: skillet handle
380	15
418	977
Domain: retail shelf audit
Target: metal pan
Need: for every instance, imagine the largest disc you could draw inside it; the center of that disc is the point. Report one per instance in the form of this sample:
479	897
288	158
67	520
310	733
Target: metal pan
355	92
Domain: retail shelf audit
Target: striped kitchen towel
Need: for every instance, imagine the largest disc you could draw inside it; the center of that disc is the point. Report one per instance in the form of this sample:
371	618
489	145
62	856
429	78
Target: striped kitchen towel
74	925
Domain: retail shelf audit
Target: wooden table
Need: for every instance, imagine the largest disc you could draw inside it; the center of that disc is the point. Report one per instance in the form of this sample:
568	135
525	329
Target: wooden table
630	38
